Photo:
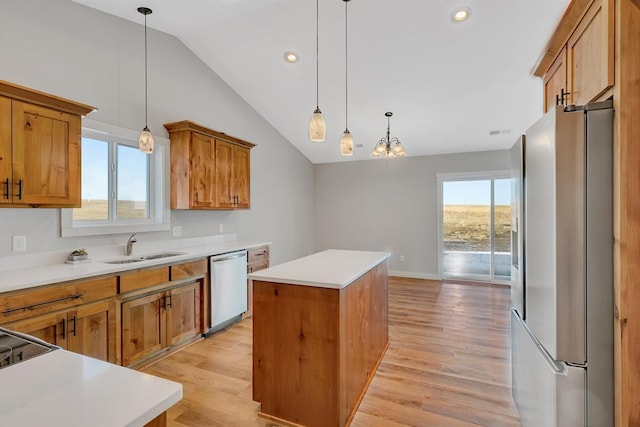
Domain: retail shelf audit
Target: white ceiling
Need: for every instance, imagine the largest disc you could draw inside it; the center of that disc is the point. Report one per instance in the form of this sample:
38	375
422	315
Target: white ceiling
448	84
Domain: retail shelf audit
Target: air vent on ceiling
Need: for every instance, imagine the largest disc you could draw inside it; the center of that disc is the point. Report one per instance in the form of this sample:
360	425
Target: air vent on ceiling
499	132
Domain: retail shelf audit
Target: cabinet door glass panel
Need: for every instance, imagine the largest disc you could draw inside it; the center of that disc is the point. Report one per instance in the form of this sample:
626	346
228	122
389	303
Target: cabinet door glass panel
133	183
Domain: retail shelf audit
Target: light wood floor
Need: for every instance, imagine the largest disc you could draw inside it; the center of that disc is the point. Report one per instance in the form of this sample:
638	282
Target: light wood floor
447	365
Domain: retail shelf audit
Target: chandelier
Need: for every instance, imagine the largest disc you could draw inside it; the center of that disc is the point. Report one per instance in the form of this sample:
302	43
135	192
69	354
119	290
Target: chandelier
387	146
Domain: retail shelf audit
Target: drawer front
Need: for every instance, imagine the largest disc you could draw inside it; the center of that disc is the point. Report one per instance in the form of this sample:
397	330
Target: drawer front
28	303
258	254
257	266
143	278
188	269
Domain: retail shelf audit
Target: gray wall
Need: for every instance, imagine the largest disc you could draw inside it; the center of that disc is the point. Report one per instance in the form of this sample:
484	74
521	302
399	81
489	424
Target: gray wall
390	205
72	51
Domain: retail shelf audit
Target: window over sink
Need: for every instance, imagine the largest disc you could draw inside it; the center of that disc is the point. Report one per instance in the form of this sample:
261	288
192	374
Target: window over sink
123	190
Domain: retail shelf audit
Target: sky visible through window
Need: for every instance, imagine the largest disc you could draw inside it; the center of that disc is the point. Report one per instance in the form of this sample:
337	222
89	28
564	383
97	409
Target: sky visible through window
477	192
132	171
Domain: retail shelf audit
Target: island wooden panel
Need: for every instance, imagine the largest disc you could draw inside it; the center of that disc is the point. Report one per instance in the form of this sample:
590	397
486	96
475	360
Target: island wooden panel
316	349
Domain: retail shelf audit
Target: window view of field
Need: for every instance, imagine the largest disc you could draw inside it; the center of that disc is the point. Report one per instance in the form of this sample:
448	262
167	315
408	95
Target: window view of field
466	228
99	209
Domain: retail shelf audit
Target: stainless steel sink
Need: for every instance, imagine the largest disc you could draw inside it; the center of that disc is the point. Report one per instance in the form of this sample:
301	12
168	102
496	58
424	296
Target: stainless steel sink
144	258
161	255
124	261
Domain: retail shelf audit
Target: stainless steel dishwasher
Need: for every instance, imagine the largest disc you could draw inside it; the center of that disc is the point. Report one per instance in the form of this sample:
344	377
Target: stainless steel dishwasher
228	288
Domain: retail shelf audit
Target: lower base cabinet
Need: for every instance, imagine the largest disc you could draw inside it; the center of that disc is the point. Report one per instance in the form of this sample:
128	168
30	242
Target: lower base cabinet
89	329
153	322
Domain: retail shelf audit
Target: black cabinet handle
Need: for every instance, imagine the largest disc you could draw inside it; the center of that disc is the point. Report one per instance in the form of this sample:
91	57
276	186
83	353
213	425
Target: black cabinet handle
170	300
73	319
6	191
40	304
196	197
64	329
19	189
560	99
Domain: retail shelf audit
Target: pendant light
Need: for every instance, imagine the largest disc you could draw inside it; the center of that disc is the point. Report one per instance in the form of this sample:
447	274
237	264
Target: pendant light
346	142
384	146
145	141
317	126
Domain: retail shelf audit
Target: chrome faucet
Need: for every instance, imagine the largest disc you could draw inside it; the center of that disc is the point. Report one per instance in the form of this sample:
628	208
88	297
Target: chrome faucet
130	242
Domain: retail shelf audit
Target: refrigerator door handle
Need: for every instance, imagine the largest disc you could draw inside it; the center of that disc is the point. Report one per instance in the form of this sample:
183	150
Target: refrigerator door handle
558	367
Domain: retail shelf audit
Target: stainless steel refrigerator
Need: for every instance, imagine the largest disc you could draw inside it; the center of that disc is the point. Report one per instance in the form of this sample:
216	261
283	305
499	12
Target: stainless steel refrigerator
562	351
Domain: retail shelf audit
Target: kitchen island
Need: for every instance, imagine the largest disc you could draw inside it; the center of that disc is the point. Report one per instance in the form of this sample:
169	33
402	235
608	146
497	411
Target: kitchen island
320	330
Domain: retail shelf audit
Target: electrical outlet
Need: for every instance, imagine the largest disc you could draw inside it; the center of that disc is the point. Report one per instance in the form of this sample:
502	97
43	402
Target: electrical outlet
177	231
220	228
19	243
402	258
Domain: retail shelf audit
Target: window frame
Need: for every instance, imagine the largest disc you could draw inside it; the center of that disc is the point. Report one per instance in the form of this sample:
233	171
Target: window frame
441	178
158	190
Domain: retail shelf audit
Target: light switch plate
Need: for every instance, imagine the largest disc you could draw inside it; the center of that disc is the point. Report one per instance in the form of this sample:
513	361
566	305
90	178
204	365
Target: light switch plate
19	243
220	228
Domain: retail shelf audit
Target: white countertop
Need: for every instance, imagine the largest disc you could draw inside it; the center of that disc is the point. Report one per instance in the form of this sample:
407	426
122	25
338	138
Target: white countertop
332	268
54	273
64	389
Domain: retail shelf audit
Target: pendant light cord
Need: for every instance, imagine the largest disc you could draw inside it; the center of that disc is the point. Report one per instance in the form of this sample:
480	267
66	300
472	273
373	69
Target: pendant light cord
317	54
146	116
346	67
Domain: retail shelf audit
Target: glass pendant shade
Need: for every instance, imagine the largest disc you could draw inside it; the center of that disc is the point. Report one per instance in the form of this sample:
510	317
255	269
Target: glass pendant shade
145	141
398	149
317	127
346	144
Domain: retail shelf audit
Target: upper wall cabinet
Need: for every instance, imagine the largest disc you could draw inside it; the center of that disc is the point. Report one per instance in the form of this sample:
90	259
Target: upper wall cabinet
39	148
582	69
209	169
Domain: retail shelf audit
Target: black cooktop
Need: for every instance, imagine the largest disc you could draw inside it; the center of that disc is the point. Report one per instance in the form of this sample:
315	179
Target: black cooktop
15	348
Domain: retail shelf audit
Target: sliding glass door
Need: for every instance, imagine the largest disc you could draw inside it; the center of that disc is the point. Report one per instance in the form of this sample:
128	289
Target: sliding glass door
475	227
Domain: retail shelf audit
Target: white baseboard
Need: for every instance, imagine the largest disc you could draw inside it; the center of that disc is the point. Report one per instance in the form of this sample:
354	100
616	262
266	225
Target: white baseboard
414	275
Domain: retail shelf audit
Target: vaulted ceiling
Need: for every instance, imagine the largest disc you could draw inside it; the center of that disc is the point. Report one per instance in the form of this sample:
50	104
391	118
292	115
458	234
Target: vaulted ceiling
452	87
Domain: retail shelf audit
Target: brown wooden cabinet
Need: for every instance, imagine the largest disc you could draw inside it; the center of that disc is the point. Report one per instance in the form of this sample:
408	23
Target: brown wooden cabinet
143	327
88	329
209	169
39	148
257	259
162	308
155	322
555	82
92	330
583	70
232	176
590	54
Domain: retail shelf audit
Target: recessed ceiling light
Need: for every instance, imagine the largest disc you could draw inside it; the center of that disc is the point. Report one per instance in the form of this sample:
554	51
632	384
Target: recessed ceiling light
460	14
291	57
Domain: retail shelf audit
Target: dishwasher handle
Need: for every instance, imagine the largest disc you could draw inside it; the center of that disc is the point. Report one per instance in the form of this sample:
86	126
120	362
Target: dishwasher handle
228	256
